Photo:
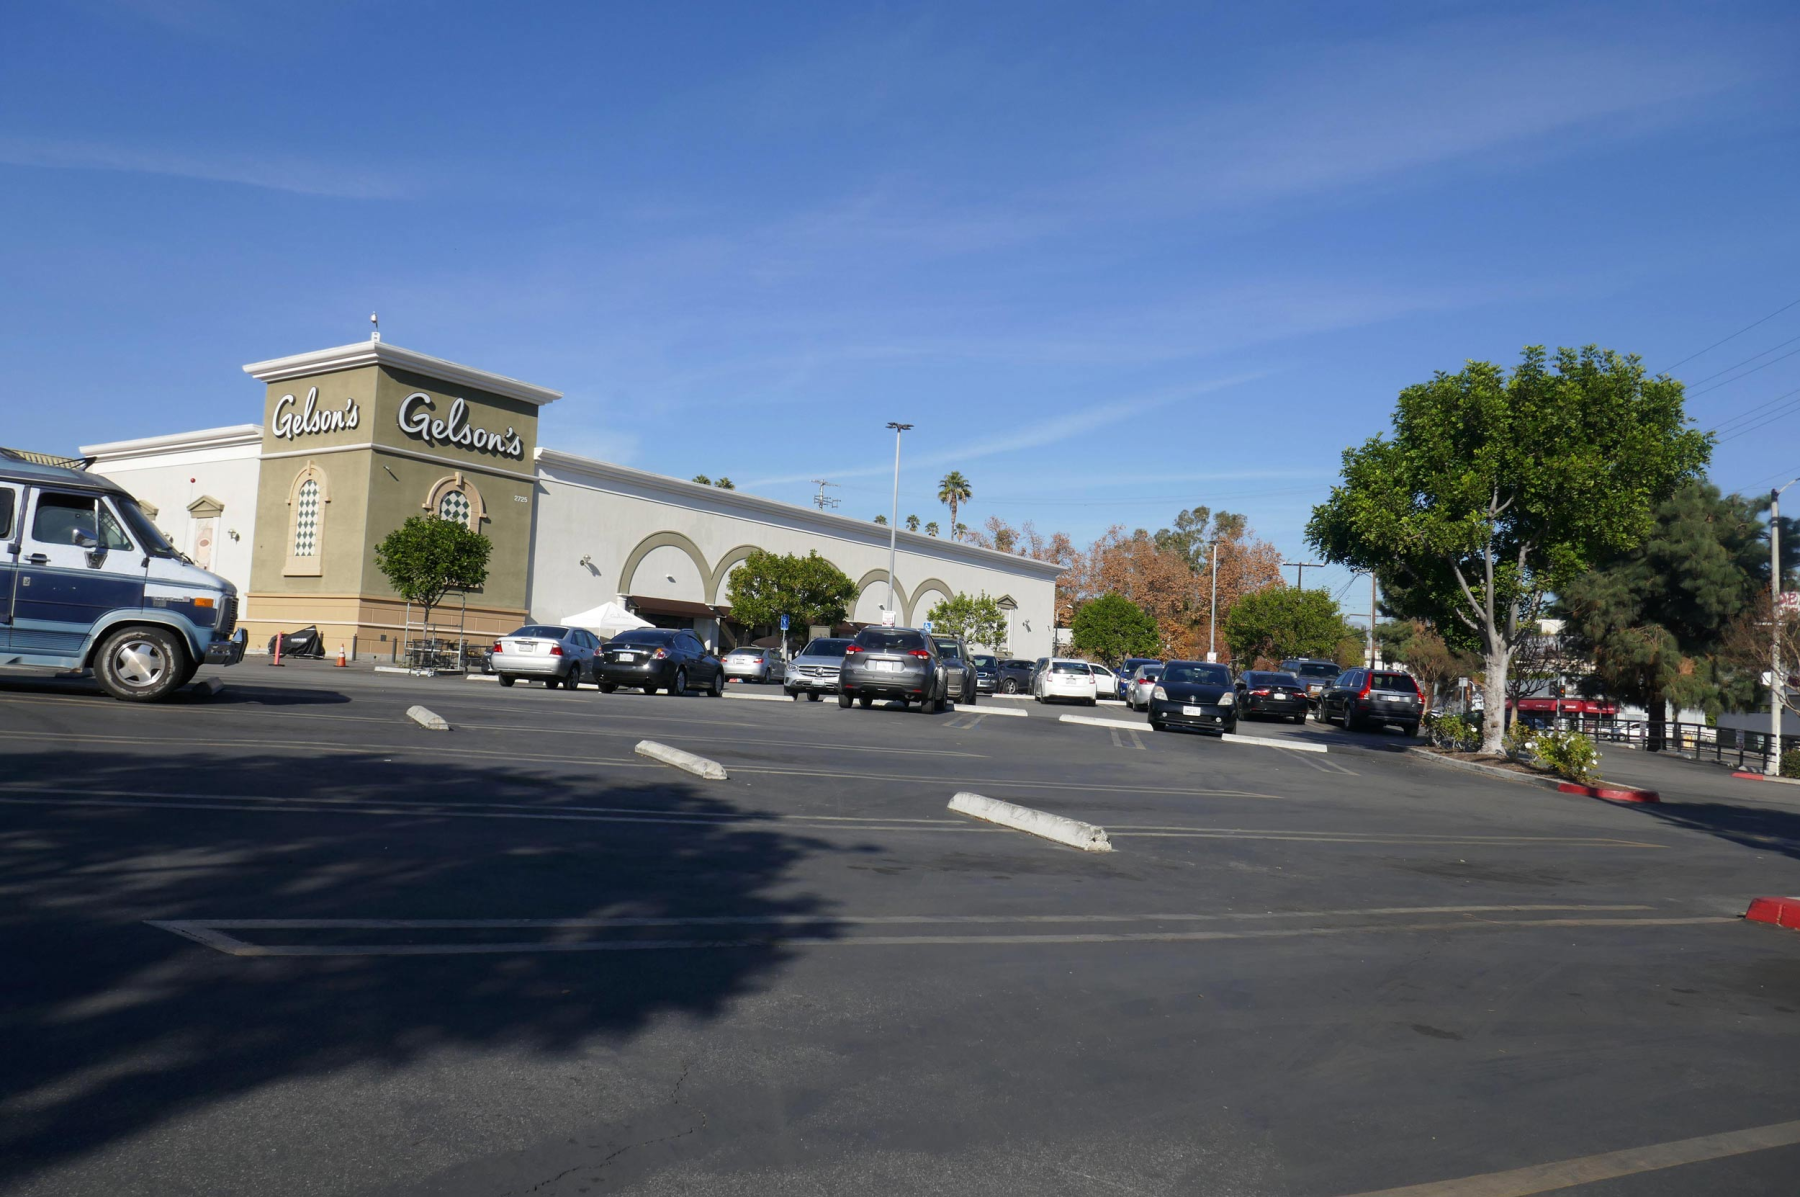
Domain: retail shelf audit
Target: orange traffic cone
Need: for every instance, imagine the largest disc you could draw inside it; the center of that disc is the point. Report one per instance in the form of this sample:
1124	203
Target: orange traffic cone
342	664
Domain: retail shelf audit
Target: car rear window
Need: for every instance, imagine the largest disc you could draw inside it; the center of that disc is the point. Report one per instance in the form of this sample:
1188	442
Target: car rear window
948	648
542	630
745	652
825	648
1070	667
1395	681
885	640
985	660
1148	673
1197	674
1315	669
644	636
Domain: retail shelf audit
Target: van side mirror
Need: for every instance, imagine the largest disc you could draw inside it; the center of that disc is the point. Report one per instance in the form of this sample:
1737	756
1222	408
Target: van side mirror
84	541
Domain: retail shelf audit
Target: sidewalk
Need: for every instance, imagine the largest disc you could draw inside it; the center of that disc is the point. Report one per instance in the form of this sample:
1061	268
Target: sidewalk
1680	780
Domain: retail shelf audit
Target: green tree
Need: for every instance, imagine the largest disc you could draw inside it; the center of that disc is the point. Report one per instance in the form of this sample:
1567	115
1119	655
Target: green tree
1652	618
1195	531
912	523
808	590
725	484
703	480
1279	621
931	529
953	489
1496	490
882	520
1111	628
426	557
978	620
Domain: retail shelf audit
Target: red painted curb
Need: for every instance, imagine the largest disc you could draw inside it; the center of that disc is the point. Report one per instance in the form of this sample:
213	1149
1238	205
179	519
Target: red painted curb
1783	912
1609	793
1748	776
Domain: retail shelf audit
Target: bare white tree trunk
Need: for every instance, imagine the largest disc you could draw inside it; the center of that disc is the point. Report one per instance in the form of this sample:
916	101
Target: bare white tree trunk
1498	659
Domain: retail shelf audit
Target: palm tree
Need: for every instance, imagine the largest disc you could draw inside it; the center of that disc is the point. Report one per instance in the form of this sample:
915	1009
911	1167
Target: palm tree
931	529
953	489
912	523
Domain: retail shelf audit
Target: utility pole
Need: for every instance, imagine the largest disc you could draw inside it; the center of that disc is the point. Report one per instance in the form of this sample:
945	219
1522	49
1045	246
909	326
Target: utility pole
1777	680
1299	568
894	519
1212	622
1372	605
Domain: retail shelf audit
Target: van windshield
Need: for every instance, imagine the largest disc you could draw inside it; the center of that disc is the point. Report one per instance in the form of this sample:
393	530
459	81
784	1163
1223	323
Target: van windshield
148	534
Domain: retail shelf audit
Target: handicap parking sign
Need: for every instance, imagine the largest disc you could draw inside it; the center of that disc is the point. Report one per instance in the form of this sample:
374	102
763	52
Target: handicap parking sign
784	623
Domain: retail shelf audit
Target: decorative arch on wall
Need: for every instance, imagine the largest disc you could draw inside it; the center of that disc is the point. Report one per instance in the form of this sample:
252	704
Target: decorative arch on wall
457	483
658	540
919	592
309	495
879	577
716	578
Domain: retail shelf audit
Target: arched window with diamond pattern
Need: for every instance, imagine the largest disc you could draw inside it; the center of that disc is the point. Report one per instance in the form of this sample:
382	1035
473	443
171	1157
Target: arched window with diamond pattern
454	505
306	520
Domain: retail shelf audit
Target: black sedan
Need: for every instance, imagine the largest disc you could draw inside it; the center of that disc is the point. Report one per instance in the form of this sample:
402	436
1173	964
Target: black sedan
671	659
1282	695
1194	694
893	663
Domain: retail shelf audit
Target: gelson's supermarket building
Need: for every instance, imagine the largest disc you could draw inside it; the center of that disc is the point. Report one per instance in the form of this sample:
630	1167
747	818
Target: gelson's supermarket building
355	439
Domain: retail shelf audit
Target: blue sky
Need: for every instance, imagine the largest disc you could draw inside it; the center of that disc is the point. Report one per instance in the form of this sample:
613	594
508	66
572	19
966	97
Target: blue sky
1111	260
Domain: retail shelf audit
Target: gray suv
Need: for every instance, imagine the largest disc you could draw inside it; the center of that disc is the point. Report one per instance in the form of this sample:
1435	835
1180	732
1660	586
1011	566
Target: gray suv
893	663
954	655
815	671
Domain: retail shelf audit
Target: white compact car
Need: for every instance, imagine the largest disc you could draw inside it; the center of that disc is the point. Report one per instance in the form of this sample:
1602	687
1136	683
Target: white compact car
1065	679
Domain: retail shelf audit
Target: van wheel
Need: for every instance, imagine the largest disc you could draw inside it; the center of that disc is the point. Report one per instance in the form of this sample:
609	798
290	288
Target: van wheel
506	679
141	664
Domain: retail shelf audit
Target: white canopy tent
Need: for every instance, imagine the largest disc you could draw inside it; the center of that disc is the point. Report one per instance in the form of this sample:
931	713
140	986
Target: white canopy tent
606	621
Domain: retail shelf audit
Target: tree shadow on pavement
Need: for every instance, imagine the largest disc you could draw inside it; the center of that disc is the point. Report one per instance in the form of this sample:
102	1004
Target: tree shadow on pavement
1766	829
112	1026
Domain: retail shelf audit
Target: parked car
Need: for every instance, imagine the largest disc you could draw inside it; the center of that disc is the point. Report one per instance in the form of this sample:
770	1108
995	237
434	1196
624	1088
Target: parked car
1107	684
953	655
1315	675
88	582
547	653
987	672
1139	685
1369	698
814	671
1129	666
1015	675
671	659
893	663
1260	692
1064	678
1194	694
751	664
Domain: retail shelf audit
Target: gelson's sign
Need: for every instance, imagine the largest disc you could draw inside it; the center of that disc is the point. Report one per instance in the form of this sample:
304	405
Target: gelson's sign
289	422
417	420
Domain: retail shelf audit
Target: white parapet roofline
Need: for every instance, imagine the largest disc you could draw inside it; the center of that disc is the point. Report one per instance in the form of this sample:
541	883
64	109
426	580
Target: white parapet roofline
755	506
231	436
380	353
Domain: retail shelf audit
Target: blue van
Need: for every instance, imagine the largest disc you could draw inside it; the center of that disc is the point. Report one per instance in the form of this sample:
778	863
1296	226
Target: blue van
88	582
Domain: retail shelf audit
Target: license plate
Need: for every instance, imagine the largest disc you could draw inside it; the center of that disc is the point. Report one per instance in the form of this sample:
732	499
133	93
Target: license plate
1192	711
627	656
885	666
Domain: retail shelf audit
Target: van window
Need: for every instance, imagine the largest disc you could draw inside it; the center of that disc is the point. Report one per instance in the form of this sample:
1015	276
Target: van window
8	497
111	535
61	518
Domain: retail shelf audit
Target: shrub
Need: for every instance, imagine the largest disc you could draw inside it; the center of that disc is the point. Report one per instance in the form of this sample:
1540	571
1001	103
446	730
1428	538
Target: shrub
1790	763
1458	732
1569	754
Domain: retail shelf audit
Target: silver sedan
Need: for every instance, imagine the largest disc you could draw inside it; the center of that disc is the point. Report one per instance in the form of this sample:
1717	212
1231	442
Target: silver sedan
549	653
751	664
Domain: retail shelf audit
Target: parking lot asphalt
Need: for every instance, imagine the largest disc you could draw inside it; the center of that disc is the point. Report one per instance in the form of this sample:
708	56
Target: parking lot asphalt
282	940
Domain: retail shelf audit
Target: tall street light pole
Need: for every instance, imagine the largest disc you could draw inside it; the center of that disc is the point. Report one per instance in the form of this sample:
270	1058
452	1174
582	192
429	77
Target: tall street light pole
1212	622
1772	764
894	518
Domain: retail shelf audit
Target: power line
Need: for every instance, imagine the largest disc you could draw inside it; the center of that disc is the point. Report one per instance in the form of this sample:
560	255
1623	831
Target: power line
1747	373
1745	362
1771	418
1722	425
1734	336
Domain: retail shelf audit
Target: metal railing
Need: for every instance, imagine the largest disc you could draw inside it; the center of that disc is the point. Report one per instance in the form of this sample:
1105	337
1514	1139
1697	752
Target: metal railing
1746	750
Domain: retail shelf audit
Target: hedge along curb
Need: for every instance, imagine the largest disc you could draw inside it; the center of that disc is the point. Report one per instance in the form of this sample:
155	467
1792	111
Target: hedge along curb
1610	793
1060	828
429	720
699	766
1781	912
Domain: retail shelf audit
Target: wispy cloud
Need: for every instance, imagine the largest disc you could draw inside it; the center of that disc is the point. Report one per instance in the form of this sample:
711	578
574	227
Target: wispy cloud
1034	434
297	175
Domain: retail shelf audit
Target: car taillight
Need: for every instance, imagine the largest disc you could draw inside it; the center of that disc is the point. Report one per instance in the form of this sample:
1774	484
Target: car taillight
1367	686
659	654
919	652
851	650
556	650
496	646
1260	693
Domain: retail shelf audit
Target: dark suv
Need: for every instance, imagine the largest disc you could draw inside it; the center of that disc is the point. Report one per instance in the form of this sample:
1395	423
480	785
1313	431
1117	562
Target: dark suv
890	663
1368	698
987	672
669	659
1316	676
1015	676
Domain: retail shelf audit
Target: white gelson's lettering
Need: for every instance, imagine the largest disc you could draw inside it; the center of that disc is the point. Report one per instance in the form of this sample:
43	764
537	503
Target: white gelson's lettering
288	423
416	420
